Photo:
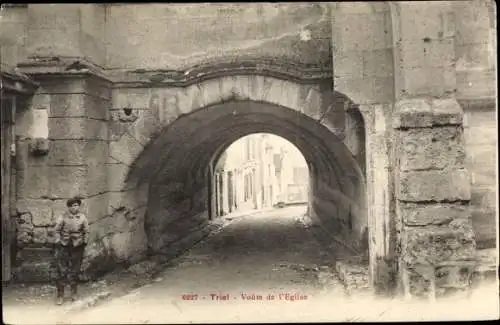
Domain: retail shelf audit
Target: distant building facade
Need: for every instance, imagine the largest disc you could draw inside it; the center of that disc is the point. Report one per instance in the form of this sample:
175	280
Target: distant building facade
259	171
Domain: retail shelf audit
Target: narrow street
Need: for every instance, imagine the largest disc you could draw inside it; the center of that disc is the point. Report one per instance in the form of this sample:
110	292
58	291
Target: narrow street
229	276
226	277
264	267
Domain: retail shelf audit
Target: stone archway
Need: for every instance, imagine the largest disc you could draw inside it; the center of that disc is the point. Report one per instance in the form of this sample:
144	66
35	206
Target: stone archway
165	149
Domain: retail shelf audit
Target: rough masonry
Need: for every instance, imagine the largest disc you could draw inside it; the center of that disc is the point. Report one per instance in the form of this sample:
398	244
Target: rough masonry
134	103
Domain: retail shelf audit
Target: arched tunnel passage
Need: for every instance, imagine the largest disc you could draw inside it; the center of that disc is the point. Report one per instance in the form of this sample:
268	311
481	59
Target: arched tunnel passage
258	171
179	165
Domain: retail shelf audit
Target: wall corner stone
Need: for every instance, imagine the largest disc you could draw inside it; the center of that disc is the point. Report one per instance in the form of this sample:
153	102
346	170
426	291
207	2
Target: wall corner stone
414	113
433	191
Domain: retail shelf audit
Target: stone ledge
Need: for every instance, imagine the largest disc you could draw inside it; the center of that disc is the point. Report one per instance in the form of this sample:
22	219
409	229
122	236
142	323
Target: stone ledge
418	113
484	104
62	66
223	67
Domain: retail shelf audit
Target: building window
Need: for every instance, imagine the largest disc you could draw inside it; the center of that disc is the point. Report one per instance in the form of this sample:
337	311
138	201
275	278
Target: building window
248	186
247	148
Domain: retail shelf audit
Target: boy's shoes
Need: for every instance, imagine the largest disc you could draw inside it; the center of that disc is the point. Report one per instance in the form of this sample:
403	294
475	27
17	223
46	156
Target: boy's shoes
59	301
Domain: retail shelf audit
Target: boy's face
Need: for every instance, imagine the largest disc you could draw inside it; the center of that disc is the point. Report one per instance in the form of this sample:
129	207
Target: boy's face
74	208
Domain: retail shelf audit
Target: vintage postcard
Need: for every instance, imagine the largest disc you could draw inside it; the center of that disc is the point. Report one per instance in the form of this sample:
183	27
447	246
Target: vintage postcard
181	163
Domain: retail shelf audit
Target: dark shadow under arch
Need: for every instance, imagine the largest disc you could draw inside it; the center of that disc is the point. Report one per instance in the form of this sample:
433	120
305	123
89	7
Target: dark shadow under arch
179	162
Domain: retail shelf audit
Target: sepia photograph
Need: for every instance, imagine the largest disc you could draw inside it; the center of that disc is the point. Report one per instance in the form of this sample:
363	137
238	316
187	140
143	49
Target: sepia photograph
266	162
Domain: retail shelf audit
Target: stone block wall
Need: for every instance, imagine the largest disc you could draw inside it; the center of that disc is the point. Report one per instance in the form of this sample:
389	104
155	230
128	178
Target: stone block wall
76	132
436	242
176	36
343	217
475	49
481	140
13	27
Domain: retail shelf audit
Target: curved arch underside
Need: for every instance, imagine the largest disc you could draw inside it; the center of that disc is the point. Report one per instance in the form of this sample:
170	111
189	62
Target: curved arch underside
178	166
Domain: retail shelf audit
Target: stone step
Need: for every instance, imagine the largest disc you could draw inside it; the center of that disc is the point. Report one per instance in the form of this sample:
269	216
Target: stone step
36	254
34	272
354	276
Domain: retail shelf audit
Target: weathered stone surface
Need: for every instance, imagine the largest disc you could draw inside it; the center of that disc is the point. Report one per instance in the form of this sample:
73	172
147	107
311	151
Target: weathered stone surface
68	181
455	276
117	177
423	215
78	152
144	127
364	31
77	128
378	63
67	152
446	112
120	244
374	90
274	90
97	152
239	35
353	275
431	148
97	179
110	224
59	207
24	229
138	243
51	238
311	104
126	149
96	206
434	185
34	272
55	86
427	54
175	230
131	199
434	244
136	218
40	235
414	113
143	268
257	88
67	105
41	211
210	92
97	259
97	107
185	243
35	183
188	99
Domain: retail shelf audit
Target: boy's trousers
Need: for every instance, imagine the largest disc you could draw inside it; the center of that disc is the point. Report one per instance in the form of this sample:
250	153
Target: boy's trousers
68	263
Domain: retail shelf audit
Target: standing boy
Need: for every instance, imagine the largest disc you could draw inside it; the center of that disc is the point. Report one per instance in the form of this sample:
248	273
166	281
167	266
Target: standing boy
71	237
